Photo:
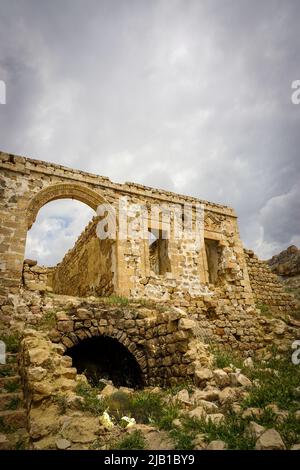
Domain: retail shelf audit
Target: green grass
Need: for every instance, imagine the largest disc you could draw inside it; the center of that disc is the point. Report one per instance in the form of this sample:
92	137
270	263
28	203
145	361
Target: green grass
21	444
264	310
12	387
183	439
174	389
150	408
91	403
274	388
144	407
116	300
48	321
6	372
6	429
225	358
62	403
14	403
134	441
12	342
231	431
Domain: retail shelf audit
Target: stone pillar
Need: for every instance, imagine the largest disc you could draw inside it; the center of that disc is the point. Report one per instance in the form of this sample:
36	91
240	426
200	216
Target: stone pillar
13	232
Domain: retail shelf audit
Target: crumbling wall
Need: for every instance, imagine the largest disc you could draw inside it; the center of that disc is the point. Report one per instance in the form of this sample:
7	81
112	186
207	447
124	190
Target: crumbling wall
267	289
37	277
88	268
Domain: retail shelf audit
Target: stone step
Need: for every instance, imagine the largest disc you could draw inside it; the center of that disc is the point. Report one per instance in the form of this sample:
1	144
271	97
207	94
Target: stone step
10	384
11	420
11	401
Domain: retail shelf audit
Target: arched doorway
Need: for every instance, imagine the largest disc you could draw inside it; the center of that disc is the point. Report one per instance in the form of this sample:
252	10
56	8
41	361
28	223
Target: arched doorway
89	267
76	191
103	357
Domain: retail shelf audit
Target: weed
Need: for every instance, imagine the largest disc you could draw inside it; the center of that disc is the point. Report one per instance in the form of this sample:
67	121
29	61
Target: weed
62	403
48	321
264	310
225	358
12	342
274	387
12	387
117	300
134	441
14	403
91	402
6	372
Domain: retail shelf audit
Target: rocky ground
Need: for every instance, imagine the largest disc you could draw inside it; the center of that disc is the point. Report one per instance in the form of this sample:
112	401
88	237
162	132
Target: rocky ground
239	404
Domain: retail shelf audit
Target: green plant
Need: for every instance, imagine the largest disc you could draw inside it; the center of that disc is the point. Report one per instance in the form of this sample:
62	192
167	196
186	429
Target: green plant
6	372
62	403
264	309
231	431
14	403
12	342
21	444
183	439
274	387
5	428
117	300
147	407
174	389
91	402
225	358
12	387
134	441
48	320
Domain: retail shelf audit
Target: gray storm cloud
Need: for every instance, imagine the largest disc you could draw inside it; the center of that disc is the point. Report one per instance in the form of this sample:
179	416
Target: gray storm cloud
187	95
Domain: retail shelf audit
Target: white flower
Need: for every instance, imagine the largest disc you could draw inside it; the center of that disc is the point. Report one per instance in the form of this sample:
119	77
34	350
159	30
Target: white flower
106	421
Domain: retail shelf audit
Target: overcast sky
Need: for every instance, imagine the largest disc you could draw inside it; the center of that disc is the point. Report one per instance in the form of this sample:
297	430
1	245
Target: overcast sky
193	96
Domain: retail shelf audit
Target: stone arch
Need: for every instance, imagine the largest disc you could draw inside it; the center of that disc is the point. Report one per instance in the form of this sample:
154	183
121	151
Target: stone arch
80	192
81	334
78	336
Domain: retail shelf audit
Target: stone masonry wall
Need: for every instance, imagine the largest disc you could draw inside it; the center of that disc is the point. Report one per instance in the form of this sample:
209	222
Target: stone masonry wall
267	289
37	277
27	185
88	268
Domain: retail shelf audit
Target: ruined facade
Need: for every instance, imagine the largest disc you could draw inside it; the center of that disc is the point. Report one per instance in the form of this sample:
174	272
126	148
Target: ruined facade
203	274
27	185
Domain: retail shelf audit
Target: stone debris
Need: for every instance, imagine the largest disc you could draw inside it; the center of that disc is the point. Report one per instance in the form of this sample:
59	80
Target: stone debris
216	445
270	440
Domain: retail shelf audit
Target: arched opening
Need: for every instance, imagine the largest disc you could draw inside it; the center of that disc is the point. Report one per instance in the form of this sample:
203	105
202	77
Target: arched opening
63	253
103	357
56	228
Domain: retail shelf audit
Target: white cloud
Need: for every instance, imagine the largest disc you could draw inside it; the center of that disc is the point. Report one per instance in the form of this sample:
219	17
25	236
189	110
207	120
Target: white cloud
190	96
58	225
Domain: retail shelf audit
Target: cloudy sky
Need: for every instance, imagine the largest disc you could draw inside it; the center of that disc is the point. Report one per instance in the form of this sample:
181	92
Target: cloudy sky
193	96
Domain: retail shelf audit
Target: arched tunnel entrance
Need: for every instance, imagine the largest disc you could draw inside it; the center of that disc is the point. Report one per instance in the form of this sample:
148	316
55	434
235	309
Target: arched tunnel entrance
103	357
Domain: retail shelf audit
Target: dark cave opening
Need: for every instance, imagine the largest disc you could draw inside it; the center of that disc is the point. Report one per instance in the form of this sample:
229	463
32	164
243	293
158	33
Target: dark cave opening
103	357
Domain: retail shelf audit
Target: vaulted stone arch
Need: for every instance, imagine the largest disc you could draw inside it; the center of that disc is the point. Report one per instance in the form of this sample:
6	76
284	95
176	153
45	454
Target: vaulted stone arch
75	338
79	335
80	192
